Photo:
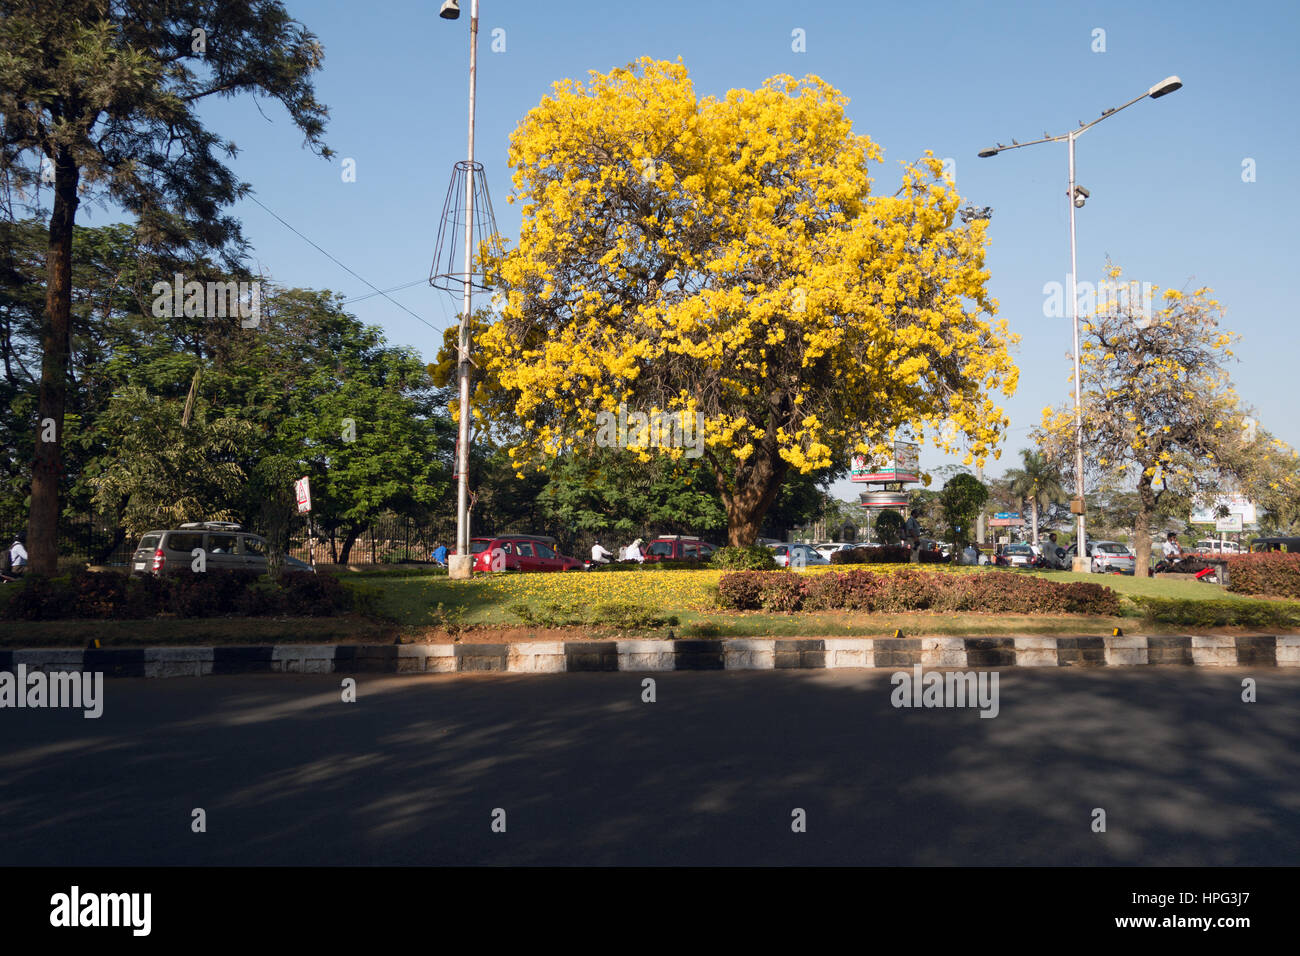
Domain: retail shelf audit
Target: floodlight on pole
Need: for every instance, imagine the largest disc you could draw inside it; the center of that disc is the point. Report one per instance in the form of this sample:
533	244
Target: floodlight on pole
1077	196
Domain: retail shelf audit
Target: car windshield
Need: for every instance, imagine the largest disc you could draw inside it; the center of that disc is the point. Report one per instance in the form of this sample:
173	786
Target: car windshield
478	545
1019	549
1112	549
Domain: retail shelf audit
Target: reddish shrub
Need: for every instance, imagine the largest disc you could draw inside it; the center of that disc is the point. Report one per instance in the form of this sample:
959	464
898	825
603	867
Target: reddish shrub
1275	573
853	590
783	591
908	590
742	590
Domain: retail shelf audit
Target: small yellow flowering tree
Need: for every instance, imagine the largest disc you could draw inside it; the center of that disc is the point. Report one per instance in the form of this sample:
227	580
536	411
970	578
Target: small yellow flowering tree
724	262
1158	406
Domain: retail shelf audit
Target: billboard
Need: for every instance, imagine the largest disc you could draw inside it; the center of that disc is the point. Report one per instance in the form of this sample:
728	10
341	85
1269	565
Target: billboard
1238	505
903	465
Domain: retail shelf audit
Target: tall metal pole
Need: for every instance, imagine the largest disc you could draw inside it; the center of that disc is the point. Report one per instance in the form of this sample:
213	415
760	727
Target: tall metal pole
1081	562
460	565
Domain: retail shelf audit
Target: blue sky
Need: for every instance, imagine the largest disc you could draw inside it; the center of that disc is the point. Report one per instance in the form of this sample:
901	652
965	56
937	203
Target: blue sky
1168	200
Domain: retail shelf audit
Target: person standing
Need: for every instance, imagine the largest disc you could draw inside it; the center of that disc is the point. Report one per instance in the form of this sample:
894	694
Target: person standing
912	536
17	556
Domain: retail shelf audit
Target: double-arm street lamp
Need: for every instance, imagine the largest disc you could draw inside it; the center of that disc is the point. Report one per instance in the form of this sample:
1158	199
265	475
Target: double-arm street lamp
1077	197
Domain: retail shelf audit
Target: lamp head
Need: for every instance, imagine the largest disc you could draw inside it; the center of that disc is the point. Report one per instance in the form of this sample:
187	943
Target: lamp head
450	10
1165	87
986	153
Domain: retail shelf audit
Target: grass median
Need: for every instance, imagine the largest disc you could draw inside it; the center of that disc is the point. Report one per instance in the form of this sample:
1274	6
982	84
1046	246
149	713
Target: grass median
424	607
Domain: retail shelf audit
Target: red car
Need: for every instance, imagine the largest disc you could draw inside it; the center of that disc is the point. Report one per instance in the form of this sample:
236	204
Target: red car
520	552
677	546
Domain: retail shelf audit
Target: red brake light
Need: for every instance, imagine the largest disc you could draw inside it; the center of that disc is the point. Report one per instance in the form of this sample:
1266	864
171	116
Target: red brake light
158	559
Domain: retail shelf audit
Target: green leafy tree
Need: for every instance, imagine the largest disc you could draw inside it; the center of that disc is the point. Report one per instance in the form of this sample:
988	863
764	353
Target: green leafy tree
961	499
889	527
102	101
166	468
1038	482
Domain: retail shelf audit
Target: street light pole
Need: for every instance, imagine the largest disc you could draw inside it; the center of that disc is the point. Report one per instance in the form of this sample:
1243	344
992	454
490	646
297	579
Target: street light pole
1080	562
1077	196
460	564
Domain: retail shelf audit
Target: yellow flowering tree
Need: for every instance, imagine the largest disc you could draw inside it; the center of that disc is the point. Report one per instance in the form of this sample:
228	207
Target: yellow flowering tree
1159	409
724	261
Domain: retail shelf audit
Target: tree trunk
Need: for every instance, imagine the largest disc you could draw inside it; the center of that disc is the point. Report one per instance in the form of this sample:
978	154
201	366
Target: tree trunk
758	484
348	540
43	519
1033	517
1142	528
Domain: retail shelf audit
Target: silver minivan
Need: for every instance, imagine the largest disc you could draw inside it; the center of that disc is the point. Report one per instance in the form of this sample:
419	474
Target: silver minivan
226	547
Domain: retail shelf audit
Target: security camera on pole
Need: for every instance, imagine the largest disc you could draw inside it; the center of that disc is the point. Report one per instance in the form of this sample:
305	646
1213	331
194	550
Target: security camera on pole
1077	196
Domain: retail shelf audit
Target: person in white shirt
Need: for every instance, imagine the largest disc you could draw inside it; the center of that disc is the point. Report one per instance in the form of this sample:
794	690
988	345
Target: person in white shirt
633	552
17	556
1171	549
598	553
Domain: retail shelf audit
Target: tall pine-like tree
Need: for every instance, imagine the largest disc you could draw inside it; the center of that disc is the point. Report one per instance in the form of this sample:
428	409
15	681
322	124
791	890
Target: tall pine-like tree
100	100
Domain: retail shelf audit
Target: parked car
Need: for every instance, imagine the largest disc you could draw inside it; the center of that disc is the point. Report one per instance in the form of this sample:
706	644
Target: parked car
830	547
226	546
677	547
520	552
797	555
1017	555
1111	556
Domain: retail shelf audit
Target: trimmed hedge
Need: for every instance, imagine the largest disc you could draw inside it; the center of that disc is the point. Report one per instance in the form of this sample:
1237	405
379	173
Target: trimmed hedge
885	554
110	596
911	589
1219	613
1275	573
751	557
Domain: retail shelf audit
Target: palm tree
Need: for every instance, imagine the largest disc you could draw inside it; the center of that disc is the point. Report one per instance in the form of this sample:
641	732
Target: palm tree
1038	482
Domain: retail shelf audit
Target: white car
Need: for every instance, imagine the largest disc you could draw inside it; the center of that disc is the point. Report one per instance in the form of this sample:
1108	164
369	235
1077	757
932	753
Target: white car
797	556
1111	556
826	550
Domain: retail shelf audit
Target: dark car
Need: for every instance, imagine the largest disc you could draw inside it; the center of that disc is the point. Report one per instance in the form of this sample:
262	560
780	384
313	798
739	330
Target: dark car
226	547
677	547
520	552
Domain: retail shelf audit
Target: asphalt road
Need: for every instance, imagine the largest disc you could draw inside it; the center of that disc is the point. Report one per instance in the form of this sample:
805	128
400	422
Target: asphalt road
708	774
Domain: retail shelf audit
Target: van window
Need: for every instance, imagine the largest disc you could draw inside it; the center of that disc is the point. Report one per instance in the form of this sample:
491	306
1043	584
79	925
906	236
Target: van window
149	542
221	544
254	546
663	549
543	551
185	541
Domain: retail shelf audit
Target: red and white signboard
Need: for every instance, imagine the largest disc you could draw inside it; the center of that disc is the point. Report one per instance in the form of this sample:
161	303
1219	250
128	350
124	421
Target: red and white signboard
302	489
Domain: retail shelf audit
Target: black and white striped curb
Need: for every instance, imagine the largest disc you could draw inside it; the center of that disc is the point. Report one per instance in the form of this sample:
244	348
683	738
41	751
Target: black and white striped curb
661	655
